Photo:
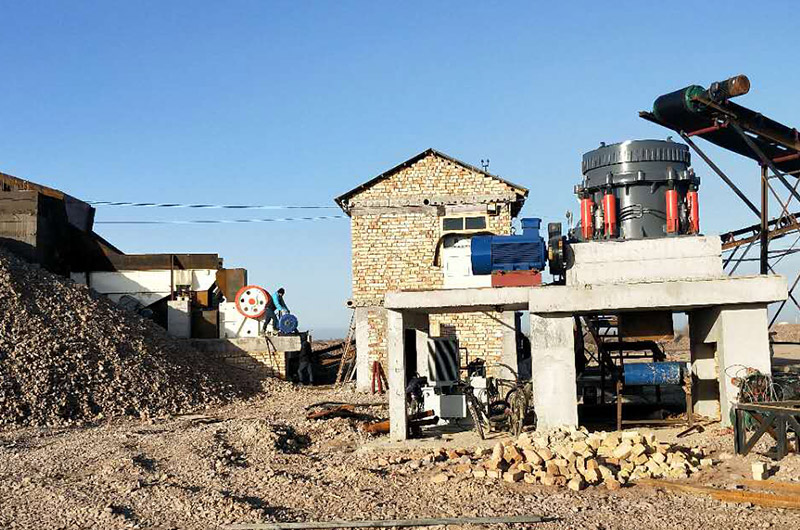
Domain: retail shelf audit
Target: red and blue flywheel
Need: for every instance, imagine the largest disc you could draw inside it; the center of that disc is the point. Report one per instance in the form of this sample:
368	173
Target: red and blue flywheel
252	300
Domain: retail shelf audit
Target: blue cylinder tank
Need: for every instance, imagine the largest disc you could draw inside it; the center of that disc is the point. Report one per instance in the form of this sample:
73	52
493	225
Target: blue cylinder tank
663	373
526	251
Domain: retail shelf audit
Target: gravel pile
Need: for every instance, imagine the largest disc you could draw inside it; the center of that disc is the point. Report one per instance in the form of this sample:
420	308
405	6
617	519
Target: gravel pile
69	355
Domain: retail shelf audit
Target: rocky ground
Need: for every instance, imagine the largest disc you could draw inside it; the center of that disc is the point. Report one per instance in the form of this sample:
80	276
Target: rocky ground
260	459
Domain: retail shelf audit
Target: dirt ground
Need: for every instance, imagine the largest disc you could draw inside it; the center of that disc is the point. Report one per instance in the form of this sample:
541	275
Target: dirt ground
262	460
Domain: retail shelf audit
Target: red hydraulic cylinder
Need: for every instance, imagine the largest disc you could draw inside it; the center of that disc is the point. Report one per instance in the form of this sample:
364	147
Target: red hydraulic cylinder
610	214
587	218
694	211
672	211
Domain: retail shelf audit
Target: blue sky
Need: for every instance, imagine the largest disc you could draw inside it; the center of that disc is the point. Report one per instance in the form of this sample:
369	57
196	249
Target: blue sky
297	102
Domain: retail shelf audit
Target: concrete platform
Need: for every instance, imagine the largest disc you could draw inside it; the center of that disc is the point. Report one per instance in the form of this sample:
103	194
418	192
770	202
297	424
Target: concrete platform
644	295
653	295
460	300
728	317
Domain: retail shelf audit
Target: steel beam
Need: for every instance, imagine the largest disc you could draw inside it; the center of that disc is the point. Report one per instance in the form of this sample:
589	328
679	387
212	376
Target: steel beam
720	173
764	221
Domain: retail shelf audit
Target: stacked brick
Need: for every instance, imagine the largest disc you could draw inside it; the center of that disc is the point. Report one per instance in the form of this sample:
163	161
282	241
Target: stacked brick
575	459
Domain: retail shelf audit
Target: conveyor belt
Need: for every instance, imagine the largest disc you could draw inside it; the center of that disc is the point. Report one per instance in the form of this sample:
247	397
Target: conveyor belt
691	109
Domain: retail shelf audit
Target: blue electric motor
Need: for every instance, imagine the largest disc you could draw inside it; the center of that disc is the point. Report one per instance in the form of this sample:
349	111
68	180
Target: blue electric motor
663	373
287	324
510	253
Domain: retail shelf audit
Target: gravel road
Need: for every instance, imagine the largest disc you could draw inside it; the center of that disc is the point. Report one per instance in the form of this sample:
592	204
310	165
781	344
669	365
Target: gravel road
260	460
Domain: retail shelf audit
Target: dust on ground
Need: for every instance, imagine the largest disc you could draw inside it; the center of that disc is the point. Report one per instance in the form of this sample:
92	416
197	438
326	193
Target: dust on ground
261	460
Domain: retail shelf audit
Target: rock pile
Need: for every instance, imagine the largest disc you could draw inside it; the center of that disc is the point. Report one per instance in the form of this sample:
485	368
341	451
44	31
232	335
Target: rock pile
577	459
69	355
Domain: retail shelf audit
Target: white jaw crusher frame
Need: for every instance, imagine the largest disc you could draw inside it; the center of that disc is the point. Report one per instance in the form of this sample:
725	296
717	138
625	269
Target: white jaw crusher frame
238	318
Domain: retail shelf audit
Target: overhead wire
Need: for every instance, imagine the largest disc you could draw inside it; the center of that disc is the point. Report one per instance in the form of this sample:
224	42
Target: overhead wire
220	221
209	206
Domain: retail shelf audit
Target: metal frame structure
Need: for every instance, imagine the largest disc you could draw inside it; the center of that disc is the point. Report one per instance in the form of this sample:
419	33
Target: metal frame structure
758	136
777	418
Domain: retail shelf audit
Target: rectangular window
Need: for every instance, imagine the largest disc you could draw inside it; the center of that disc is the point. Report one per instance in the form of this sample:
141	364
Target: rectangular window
464	224
450	224
475	223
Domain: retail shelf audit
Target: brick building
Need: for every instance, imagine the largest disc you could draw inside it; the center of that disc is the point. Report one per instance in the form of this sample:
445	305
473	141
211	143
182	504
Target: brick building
410	229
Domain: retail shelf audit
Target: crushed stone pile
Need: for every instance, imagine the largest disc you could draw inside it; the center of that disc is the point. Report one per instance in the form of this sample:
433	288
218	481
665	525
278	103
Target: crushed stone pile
69	356
576	459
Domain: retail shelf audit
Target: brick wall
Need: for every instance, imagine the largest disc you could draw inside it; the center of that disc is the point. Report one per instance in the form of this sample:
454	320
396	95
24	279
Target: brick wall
394	239
433	176
253	356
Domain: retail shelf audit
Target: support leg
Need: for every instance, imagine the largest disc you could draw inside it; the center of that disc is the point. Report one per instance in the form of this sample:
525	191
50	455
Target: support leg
555	395
743	340
398	421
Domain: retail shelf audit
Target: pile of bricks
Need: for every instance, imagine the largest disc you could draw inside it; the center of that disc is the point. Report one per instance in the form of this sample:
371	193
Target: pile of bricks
577	459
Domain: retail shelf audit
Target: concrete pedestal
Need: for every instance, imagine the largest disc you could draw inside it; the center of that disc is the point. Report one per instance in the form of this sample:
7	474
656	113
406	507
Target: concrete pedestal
725	341
553	361
179	318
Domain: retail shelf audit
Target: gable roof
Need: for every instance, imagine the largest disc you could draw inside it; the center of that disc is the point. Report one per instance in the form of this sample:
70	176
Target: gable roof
341	200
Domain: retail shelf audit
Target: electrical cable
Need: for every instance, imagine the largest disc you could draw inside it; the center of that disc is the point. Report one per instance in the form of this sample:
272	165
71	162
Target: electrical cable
208	206
174	205
223	221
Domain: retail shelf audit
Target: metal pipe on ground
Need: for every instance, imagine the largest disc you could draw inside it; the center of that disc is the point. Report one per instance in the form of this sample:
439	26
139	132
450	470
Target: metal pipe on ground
389	523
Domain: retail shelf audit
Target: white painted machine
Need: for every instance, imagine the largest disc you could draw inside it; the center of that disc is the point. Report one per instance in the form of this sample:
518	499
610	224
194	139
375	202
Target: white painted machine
244	316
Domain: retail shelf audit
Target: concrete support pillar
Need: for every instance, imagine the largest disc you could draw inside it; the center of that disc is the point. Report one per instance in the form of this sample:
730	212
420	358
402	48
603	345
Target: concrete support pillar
509	354
744	340
362	349
726	340
395	337
703	347
555	394
179	318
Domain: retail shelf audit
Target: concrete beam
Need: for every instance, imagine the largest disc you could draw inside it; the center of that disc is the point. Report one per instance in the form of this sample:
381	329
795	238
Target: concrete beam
555	395
674	295
460	300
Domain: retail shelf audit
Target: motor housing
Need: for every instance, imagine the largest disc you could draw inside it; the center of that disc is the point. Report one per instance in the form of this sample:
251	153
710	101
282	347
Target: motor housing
523	252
